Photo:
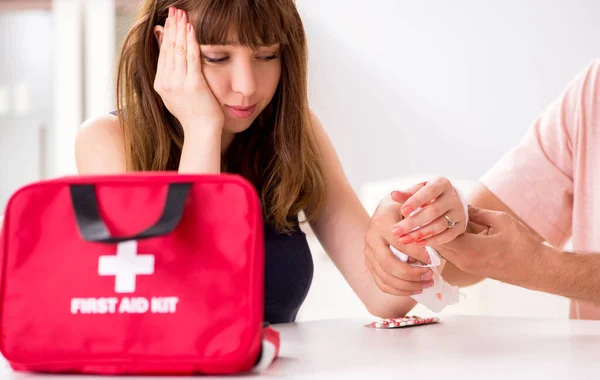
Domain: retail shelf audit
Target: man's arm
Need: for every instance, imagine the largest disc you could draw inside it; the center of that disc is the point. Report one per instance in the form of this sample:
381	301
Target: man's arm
483	198
568	274
506	250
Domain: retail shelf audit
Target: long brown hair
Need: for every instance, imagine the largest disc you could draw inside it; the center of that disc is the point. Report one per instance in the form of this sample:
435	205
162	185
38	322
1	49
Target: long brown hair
278	153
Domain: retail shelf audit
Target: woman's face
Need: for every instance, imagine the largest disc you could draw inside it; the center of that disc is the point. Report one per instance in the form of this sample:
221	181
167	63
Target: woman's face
243	80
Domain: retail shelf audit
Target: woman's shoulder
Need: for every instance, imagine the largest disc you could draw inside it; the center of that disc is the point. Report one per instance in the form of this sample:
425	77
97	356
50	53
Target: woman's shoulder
100	126
99	129
99	141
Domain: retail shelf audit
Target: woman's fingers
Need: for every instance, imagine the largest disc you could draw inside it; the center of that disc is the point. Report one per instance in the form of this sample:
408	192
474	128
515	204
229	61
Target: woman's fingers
426	195
194	63
439	226
442	206
181	47
170	42
163	55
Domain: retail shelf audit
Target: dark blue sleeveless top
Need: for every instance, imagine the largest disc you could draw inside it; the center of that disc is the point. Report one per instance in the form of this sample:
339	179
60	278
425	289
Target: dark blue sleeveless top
288	273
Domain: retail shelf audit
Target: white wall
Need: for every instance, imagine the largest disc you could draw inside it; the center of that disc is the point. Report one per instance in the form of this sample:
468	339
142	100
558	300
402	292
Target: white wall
440	87
26	82
100	34
68	87
56	69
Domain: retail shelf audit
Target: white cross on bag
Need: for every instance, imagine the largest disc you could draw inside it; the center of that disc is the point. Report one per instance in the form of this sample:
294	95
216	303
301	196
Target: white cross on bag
125	266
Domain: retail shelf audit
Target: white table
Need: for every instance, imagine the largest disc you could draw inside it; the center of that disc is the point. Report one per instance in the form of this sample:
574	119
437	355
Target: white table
457	348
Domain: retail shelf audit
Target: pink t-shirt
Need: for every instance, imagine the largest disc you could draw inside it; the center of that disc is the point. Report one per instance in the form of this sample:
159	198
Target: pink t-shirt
551	180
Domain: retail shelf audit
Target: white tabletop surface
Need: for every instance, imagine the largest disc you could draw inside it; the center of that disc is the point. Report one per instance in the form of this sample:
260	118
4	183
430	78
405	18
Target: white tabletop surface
459	347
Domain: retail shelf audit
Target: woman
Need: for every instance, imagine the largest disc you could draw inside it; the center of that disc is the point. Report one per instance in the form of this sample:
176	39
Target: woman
210	86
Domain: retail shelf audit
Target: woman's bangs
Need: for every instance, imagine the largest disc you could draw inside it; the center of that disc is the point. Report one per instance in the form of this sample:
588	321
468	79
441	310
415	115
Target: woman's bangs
244	22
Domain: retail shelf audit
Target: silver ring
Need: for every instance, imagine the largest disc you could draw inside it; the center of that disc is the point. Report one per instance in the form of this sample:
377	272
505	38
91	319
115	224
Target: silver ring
451	223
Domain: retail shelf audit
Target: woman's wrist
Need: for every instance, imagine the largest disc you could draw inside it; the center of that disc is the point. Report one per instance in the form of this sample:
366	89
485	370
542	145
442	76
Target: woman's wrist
201	151
202	130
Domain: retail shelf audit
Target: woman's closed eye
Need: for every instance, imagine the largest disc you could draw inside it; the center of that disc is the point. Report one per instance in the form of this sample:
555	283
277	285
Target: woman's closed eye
268	57
217	60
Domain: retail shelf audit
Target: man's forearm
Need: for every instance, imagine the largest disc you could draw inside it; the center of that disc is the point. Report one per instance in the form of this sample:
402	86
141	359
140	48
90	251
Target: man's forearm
568	274
454	276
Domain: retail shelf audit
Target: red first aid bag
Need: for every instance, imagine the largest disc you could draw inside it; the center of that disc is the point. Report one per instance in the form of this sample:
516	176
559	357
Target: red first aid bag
149	273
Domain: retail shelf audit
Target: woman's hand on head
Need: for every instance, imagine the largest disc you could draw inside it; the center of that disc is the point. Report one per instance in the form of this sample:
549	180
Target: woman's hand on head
179	79
432	212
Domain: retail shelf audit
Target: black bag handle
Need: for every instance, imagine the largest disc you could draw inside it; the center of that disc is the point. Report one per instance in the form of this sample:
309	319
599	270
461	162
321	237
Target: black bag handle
92	227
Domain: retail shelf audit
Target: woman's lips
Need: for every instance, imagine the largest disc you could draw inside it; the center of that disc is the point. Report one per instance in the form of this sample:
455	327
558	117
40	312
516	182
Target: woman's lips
241	112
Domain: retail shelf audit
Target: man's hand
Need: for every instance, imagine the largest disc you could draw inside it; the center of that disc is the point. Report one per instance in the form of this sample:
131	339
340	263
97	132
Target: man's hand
496	245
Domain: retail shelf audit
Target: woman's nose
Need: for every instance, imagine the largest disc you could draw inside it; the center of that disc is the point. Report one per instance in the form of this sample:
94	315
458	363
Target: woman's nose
243	79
